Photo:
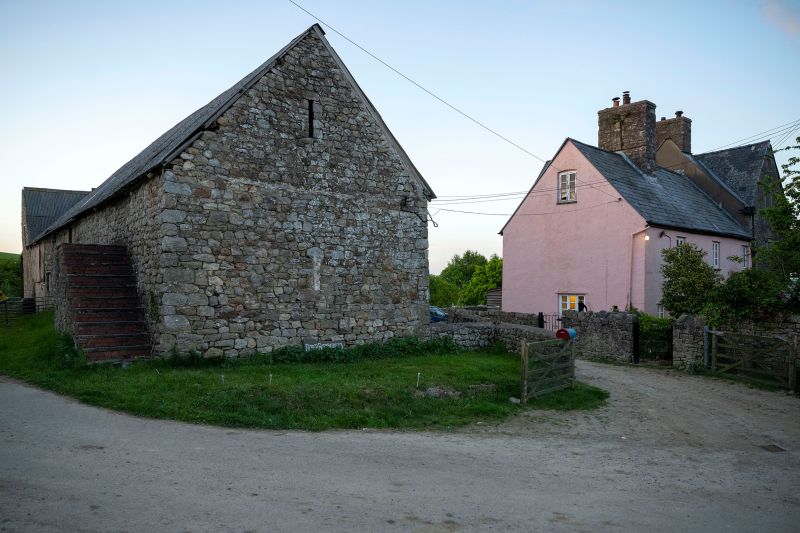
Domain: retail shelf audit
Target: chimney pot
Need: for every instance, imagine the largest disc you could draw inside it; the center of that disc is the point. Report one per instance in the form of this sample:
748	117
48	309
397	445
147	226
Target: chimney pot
626	97
616	101
678	113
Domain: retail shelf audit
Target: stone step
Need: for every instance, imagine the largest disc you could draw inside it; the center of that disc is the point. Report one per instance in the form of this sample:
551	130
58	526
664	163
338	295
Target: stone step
116	353
107	292
128	301
92	249
112	340
100	280
124	313
90	269
111	327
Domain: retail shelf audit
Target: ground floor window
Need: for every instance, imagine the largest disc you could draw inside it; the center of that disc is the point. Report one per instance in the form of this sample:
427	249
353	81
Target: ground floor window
660	311
571	302
745	256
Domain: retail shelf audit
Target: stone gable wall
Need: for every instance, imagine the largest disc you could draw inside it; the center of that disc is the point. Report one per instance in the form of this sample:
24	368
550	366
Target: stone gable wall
272	238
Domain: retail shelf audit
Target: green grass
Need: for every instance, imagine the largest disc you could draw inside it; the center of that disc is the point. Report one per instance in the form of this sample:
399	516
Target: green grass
6	255
374	393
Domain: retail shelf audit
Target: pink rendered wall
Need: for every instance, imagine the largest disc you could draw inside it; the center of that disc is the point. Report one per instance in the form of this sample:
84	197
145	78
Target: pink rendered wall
587	247
653	278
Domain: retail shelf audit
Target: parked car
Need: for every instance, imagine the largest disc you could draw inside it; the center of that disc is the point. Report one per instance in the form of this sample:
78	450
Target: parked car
437	315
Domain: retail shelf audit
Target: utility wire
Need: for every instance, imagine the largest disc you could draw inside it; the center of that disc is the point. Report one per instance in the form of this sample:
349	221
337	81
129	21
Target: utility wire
431	93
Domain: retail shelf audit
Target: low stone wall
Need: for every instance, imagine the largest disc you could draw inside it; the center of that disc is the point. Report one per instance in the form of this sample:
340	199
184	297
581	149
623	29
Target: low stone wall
688	337
472	335
603	334
484	314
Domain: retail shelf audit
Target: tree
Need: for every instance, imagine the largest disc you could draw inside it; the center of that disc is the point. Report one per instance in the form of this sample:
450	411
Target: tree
688	279
443	293
781	257
486	277
10	278
461	268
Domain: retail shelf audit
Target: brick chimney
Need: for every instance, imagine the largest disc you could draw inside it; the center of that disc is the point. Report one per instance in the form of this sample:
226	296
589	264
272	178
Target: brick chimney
630	128
679	129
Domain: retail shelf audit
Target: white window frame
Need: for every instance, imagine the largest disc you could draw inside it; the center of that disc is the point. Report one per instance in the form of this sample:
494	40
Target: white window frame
569	302
660	310
715	254
566	187
680	240
745	256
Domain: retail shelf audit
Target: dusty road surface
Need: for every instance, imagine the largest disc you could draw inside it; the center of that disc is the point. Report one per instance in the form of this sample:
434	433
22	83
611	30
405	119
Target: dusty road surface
670	452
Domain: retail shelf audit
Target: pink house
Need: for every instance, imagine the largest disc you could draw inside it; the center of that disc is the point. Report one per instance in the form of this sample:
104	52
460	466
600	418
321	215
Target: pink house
591	229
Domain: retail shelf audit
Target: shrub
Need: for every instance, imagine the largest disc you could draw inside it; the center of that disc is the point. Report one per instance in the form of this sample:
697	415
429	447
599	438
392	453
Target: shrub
746	295
688	279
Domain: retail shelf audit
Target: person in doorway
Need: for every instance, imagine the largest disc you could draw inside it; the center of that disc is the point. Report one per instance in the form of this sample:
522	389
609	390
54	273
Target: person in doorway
581	307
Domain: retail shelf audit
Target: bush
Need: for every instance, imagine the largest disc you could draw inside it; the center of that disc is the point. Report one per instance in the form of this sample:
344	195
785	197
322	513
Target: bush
751	294
688	279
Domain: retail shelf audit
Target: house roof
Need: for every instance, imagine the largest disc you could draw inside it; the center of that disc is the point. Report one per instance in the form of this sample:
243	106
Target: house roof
175	140
665	198
739	168
44	206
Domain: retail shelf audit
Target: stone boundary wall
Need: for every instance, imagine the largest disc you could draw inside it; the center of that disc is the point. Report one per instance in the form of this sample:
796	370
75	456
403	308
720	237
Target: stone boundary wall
472	335
687	336
687	342
603	334
484	314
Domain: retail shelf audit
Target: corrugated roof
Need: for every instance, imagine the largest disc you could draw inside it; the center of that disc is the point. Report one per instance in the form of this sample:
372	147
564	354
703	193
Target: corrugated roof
174	141
664	198
44	206
739	168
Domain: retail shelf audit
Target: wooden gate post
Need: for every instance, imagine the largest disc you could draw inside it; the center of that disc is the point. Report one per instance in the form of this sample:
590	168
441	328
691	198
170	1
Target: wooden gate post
523	355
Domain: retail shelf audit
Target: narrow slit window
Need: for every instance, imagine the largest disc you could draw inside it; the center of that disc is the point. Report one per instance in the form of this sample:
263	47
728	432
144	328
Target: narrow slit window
311	118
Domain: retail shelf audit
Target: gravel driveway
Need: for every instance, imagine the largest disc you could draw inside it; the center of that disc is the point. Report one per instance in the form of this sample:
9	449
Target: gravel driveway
670	452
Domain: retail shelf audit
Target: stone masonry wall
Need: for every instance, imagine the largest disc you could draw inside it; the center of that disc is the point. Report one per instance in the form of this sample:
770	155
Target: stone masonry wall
688	338
271	237
603	334
132	221
630	128
687	341
472	335
481	313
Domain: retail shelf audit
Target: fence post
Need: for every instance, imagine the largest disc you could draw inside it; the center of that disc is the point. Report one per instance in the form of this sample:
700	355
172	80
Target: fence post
794	386
706	359
523	355
540	320
713	353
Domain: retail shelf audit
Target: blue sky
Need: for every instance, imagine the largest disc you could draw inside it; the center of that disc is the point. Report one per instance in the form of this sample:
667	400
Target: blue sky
87	85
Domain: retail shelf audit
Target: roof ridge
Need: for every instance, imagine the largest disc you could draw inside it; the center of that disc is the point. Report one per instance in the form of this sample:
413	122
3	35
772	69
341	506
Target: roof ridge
47	189
732	148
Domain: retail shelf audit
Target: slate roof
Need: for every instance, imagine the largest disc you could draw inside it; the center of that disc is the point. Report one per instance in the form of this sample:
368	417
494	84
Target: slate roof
174	141
666	198
44	206
739	168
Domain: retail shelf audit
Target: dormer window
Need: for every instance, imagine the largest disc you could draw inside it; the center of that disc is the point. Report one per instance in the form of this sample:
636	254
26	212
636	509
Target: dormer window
566	187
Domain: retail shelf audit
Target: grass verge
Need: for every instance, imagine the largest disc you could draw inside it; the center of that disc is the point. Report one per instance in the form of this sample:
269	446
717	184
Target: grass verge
252	392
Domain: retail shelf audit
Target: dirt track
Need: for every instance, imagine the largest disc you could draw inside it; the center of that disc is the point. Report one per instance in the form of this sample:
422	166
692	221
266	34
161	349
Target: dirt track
670	452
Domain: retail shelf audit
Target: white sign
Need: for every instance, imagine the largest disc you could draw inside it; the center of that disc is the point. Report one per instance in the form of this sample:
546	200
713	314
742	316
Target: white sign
323	345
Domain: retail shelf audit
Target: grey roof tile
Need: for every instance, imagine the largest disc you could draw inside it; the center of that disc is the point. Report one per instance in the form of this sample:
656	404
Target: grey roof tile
664	198
45	206
739	168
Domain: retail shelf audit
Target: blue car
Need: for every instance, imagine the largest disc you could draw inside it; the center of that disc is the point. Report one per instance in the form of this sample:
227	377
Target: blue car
437	315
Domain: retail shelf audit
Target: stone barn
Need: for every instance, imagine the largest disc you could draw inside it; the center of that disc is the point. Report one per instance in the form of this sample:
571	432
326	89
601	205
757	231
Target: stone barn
283	212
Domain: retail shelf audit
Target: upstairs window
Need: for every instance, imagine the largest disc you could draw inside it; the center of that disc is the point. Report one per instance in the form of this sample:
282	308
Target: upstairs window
715	254
566	187
745	256
680	240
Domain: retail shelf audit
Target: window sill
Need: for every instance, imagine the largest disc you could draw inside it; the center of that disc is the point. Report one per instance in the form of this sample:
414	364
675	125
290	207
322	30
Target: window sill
560	202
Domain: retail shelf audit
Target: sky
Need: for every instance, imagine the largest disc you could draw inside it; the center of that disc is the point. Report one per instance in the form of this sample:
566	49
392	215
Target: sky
85	86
